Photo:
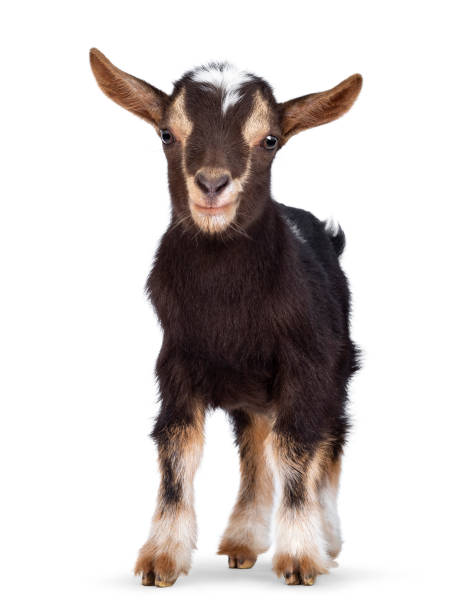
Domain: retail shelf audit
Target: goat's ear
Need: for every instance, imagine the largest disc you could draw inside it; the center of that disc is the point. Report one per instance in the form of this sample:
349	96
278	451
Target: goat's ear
318	108
128	91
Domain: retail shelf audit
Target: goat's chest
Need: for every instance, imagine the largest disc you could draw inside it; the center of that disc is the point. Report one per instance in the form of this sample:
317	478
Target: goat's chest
220	313
226	322
220	304
223	335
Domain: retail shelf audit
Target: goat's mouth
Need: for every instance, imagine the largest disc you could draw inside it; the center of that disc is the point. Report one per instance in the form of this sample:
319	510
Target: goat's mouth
213	209
213	217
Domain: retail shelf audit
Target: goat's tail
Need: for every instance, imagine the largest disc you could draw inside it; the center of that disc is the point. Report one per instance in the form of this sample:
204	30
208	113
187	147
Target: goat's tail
336	235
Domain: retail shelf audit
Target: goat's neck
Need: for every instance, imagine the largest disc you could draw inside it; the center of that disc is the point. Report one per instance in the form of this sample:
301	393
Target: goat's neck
239	258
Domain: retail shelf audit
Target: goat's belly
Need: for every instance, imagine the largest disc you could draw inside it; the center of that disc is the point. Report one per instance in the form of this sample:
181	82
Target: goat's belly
233	390
251	402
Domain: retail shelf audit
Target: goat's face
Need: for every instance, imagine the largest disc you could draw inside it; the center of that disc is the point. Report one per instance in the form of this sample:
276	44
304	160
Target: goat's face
220	133
220	130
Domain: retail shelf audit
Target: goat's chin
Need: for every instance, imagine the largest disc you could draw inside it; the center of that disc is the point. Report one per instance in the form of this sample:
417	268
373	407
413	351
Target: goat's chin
213	220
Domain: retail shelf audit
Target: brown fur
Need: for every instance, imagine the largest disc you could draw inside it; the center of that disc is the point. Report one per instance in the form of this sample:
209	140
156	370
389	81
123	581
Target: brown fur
256	479
319	108
128	91
334	472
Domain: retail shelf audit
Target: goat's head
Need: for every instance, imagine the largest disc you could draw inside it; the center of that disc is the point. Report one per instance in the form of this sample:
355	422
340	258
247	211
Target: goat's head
220	130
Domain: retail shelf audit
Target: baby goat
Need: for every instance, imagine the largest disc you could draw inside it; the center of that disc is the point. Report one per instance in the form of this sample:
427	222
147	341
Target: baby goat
255	312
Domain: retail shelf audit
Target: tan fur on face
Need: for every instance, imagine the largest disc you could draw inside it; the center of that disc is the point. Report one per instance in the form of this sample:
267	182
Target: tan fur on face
258	123
178	120
247	533
167	552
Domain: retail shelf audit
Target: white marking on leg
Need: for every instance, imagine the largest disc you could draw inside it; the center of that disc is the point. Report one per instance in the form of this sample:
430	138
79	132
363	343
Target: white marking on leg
174	534
299	533
250	527
299	530
328	502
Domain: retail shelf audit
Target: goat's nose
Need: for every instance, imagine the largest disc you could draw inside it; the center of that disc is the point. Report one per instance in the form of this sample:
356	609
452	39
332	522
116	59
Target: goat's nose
211	185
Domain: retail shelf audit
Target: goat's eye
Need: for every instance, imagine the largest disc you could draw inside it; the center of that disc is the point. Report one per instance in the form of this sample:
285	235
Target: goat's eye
270	142
166	137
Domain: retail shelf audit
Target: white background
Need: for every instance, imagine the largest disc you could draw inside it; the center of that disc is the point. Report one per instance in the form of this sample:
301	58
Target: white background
84	203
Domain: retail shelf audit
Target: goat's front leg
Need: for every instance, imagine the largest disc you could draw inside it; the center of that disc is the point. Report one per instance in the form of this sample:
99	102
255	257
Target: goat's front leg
306	540
247	533
167	552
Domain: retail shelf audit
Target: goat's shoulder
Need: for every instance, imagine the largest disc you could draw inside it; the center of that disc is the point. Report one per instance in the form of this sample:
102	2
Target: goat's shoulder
325	239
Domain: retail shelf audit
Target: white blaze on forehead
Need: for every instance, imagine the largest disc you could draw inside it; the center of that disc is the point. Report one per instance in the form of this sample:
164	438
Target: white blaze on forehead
225	77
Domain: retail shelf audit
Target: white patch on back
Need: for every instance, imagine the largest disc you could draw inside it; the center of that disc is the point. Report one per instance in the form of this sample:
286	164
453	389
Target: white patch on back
225	77
296	230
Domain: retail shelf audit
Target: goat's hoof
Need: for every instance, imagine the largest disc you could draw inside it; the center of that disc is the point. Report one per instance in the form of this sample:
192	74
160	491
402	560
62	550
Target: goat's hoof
296	578
239	555
149	579
291	578
297	570
162	583
160	570
240	563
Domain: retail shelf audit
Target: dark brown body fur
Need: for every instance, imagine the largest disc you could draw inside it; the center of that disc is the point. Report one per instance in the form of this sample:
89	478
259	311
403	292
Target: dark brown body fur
240	317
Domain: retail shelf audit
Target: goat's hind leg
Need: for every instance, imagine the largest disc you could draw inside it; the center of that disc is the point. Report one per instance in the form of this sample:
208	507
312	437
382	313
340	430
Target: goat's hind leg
328	495
247	533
